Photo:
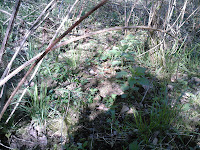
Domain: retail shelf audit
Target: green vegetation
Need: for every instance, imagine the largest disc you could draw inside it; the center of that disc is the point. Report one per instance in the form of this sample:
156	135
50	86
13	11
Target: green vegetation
125	89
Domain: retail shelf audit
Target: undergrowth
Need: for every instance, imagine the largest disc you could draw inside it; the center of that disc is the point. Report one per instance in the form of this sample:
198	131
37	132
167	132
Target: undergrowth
112	92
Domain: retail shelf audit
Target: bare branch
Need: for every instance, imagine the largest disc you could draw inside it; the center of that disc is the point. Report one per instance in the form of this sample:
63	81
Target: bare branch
62	24
112	29
9	28
24	92
33	27
20	68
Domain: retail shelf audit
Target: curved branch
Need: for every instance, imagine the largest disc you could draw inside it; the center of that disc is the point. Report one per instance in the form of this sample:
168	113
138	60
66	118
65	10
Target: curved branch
76	39
112	29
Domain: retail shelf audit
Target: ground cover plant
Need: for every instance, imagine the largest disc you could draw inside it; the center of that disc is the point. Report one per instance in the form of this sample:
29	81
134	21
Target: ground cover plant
127	77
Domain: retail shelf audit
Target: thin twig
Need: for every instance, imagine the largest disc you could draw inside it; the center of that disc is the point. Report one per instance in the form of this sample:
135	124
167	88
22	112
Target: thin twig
9	28
24	92
6	146
125	16
34	26
148	87
129	17
169	14
63	22
189	17
7	13
183	12
17	104
20	68
151	49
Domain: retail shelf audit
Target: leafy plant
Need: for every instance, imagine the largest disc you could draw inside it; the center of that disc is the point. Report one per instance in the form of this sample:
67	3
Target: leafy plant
134	146
91	95
109	100
136	79
120	55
